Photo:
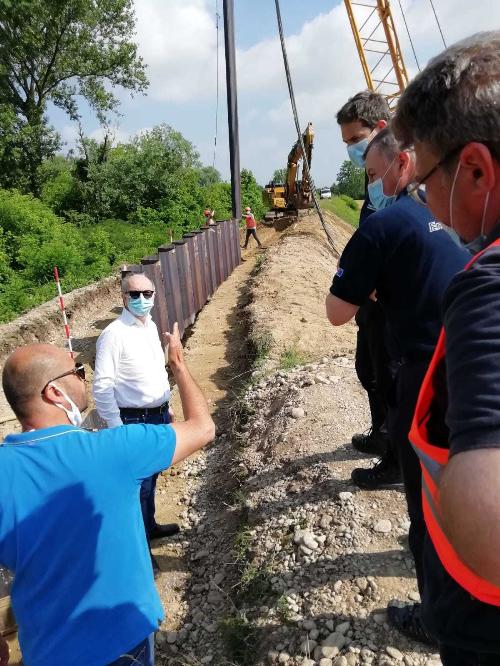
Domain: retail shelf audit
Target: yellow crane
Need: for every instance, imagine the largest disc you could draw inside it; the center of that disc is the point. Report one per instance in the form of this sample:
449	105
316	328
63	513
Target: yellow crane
378	47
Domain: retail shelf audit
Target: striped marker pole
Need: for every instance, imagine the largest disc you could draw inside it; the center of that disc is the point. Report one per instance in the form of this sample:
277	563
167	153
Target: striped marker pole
63	310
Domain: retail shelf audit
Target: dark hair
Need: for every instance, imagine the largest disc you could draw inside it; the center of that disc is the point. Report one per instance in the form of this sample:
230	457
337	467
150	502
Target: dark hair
455	99
386	142
367	106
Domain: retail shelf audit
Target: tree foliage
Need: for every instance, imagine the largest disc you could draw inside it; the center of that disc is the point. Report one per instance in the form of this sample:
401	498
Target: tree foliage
350	181
279	175
60	51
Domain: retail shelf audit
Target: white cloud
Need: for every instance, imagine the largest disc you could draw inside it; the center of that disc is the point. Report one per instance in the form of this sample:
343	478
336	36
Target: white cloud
177	41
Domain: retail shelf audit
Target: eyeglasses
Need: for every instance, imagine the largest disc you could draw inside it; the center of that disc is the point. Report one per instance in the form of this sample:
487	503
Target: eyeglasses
147	293
78	370
419	183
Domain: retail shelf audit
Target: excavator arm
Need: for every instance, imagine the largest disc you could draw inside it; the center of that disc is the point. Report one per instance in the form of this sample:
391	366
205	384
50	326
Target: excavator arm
299	196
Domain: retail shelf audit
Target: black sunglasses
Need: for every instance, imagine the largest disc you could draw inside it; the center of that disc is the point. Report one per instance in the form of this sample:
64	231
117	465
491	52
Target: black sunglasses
78	370
147	293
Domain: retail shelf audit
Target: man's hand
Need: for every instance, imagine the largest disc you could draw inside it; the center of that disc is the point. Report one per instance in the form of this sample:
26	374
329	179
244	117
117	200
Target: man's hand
175	353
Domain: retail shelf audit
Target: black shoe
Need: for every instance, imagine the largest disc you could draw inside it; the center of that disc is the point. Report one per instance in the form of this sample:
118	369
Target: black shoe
371	441
162	531
382	474
408	621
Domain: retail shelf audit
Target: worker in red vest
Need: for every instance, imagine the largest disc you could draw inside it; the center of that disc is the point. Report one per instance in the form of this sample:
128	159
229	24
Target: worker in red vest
450	112
251	227
209	217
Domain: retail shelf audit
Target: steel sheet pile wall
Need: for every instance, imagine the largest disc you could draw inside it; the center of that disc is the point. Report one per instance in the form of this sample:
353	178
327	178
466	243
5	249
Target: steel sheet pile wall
187	272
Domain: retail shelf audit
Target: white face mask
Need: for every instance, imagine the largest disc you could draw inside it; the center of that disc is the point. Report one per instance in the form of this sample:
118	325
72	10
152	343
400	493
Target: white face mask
74	415
476	244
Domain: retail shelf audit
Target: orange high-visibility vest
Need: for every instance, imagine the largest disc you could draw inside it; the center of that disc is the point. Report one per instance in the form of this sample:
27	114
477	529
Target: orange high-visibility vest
250	220
433	460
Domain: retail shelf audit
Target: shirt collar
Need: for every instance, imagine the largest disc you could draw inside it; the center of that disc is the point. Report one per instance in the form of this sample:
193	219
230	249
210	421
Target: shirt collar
129	319
34	436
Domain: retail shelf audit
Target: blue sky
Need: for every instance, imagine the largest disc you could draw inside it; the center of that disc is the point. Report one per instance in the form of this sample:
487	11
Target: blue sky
177	39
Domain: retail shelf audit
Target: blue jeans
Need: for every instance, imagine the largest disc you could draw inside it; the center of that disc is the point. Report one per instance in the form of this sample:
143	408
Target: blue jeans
142	655
148	486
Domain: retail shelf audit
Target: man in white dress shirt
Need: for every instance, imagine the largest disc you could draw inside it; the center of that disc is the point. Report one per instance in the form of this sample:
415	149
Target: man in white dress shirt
131	381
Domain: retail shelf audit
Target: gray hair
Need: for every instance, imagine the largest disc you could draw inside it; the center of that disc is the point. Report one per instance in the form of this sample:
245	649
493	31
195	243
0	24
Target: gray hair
386	143
124	282
455	99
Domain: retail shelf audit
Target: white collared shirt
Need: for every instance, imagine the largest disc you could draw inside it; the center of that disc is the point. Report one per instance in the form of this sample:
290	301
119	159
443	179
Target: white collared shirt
129	368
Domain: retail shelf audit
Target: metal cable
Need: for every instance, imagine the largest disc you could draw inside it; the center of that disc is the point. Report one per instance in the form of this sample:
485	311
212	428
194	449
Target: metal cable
217	17
439	25
299	132
408	33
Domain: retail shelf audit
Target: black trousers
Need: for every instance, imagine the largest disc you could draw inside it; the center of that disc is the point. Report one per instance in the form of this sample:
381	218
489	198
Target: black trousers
402	402
252	232
373	366
451	656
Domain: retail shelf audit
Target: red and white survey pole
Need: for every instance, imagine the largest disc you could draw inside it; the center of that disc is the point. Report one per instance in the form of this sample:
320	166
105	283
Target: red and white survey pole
63	310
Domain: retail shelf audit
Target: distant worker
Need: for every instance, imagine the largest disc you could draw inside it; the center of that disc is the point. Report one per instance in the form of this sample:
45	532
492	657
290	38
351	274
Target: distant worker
360	120
131	381
71	530
251	227
209	217
408	259
451	113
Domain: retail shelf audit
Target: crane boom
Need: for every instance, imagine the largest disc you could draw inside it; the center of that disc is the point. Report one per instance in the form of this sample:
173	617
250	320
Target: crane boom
378	47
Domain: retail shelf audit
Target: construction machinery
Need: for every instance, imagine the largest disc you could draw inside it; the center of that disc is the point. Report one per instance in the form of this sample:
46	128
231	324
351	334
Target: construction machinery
285	200
378	47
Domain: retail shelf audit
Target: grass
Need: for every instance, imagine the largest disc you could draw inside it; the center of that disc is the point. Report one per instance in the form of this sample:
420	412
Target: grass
291	357
242	541
239	636
339	207
283	609
262	343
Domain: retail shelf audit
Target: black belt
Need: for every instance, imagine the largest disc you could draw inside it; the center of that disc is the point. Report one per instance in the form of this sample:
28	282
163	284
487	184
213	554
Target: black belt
143	411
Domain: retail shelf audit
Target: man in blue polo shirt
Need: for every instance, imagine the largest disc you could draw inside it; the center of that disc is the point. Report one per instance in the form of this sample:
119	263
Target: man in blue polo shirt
71	528
405	259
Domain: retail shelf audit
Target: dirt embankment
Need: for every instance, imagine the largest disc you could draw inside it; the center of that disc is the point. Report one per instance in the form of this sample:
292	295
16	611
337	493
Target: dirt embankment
288	309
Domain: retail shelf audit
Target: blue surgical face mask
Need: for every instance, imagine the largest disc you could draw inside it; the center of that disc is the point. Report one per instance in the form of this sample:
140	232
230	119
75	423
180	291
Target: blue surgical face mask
356	152
140	307
377	196
376	192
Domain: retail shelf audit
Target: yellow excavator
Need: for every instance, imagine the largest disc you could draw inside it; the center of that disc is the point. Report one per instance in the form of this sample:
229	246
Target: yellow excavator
285	200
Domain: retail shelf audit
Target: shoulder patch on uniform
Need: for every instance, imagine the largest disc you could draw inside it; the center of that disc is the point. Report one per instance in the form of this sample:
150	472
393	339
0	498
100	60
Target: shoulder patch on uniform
435	226
339	273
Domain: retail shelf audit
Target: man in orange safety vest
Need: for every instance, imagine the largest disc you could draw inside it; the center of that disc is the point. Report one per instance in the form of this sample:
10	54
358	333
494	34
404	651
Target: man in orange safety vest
450	112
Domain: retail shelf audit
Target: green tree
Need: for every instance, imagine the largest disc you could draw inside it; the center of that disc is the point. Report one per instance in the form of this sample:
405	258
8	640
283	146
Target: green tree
208	175
279	175
148	172
62	51
350	181
251	193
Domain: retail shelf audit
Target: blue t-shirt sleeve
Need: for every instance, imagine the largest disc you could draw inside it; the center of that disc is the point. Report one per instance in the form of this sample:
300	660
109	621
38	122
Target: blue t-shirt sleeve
472	325
148	449
359	266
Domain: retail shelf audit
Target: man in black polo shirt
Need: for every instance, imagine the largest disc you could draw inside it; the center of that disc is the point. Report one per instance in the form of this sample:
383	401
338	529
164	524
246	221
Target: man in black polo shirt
360	119
450	112
405	259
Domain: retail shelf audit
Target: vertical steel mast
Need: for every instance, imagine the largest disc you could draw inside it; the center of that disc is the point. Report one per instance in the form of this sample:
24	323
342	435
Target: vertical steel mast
232	107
